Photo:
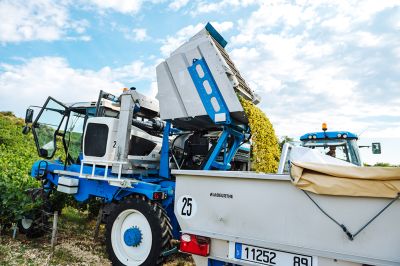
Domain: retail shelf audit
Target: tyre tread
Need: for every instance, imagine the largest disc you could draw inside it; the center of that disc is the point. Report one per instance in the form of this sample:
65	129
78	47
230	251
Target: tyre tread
162	221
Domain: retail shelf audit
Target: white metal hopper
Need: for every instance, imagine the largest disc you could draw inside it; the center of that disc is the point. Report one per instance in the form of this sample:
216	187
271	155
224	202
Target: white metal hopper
179	94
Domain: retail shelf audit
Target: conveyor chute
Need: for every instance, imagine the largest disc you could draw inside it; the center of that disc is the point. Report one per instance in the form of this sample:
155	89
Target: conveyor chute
198	84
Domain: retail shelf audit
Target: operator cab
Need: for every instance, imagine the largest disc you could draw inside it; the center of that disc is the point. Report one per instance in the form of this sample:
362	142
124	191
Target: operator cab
341	145
338	144
58	124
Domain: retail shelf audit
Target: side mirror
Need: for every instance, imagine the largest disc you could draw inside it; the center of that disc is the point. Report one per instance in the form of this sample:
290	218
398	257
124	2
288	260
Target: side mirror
43	153
29	116
376	148
26	130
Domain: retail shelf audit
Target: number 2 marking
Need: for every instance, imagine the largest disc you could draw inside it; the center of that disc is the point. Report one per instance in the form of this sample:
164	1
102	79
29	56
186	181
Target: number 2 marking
187	206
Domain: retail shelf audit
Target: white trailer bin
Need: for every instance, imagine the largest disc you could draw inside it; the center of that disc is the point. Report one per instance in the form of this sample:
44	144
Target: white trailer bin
249	218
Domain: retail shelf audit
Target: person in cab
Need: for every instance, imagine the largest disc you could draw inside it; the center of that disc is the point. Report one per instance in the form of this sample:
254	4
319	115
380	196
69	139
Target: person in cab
332	151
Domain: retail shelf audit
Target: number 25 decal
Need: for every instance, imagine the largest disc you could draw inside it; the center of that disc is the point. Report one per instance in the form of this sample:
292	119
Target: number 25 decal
186	207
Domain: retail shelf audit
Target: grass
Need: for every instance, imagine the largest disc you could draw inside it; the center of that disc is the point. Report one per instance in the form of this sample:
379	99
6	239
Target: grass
75	245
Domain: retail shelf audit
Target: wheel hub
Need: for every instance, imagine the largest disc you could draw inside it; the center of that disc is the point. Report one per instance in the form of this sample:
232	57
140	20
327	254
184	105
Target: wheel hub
26	223
133	237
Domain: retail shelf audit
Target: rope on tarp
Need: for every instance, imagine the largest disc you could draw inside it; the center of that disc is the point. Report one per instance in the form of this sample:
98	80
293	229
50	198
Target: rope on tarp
342	226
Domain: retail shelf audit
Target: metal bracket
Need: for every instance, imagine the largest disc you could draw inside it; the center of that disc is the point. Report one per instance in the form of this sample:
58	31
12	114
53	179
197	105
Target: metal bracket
209	92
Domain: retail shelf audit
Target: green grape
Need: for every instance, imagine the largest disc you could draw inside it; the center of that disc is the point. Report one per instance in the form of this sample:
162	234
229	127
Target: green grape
265	150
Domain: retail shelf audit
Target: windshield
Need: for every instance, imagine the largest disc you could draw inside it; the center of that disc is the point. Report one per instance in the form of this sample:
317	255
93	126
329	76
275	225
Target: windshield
46	127
73	135
346	150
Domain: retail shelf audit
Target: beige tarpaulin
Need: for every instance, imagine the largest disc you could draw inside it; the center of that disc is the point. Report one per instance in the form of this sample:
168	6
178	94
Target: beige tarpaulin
380	182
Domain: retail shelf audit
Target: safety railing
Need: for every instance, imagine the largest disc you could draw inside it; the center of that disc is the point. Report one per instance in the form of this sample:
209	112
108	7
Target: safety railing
105	177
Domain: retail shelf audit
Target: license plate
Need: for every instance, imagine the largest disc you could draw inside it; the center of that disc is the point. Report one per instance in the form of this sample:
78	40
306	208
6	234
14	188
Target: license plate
272	257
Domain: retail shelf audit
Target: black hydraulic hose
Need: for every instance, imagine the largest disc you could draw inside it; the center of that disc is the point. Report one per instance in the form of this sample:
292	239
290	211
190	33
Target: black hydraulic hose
154	125
183	150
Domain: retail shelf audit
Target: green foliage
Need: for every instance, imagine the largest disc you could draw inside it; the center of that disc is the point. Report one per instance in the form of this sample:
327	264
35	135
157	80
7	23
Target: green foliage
284	140
385	165
17	154
73	140
381	165
91	206
265	145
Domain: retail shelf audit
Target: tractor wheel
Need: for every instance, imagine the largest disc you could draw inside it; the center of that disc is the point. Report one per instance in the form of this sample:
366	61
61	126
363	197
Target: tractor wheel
34	225
137	232
25	224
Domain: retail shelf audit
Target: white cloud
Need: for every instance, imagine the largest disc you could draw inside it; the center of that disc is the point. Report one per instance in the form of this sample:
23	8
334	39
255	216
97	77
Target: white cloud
85	38
396	52
322	61
123	6
45	20
153	89
135	71
311	61
178	4
245	53
338	23
31	81
222	26
137	34
170	43
367	39
208	7
364	10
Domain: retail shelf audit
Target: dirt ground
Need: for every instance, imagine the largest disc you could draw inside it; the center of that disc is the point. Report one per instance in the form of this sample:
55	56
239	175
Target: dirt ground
75	246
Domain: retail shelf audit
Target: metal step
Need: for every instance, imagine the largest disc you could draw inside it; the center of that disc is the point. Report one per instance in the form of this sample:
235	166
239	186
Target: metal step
114	181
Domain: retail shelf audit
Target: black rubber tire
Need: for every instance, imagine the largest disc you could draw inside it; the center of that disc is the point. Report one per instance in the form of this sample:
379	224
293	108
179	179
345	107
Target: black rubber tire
40	221
159	223
38	227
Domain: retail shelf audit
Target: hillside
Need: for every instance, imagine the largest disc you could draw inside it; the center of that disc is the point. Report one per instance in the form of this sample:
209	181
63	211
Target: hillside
75	227
17	154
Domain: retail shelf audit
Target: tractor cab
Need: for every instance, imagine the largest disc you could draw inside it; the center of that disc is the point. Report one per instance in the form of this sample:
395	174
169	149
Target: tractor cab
341	145
338	144
58	124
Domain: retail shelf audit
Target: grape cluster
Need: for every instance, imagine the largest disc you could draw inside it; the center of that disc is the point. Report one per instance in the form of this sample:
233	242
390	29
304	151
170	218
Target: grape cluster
265	150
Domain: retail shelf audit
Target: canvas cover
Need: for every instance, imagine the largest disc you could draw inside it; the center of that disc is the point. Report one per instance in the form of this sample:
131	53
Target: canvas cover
342	180
304	154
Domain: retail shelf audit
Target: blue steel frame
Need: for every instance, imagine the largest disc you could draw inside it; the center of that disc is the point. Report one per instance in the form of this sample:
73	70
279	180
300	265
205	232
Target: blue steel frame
146	185
235	132
207	96
229	141
228	152
164	160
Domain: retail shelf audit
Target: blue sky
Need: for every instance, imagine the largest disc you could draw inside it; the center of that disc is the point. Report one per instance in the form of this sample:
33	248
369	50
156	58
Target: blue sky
311	61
